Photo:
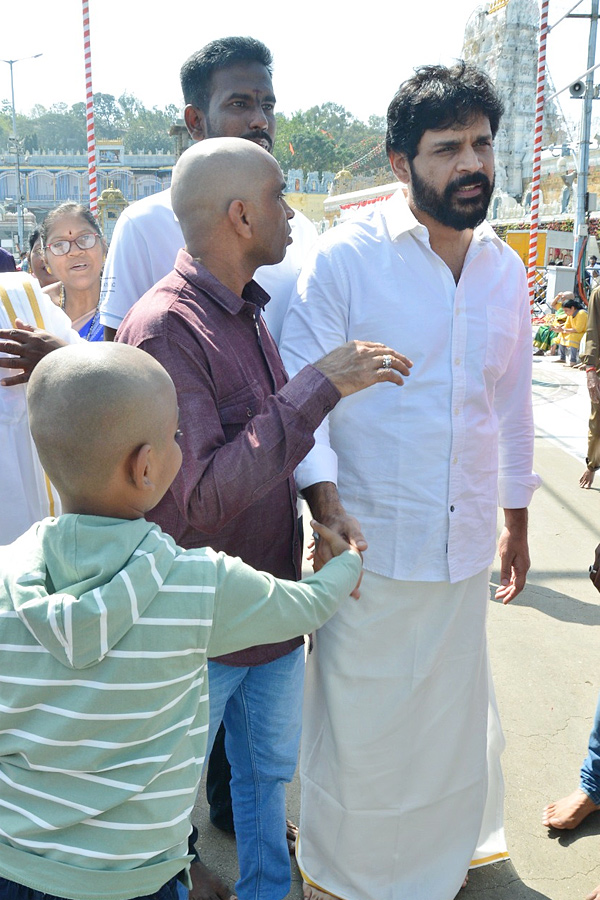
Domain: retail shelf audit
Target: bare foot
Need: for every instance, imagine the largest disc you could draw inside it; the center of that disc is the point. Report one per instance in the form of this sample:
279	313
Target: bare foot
463	885
587	479
310	892
291	833
208	886
595	895
568	812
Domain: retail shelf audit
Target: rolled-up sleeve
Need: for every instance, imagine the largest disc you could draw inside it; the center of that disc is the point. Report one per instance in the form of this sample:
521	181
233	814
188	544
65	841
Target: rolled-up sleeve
513	403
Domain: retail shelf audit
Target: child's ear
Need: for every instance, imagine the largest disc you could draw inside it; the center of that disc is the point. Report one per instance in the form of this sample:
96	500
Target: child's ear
140	468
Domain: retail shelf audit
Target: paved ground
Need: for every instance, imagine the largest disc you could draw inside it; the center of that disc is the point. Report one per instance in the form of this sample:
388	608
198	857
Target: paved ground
545	651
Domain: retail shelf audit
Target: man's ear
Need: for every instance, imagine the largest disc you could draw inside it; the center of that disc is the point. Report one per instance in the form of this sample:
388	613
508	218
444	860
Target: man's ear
400	166
140	468
238	215
195	122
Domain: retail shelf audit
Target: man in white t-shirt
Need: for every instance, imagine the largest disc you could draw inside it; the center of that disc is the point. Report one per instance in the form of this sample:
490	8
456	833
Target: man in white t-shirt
228	93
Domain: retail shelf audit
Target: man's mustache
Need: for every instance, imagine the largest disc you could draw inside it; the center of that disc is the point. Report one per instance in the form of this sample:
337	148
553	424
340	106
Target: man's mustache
259	136
469	181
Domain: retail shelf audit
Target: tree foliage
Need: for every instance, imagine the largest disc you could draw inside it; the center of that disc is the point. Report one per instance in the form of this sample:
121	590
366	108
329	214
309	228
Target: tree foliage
324	138
65	128
328	138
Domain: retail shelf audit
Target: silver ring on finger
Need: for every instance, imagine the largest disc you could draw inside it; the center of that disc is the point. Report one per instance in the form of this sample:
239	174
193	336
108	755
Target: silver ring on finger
387	361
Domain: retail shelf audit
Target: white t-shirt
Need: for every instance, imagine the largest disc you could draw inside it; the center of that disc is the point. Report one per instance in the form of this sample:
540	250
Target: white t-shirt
144	246
27	493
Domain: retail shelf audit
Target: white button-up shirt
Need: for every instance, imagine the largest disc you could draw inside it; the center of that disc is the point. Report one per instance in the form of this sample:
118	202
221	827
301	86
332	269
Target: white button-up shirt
422	466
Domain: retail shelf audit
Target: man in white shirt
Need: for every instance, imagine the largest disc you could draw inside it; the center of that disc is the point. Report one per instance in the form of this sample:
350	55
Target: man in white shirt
393	762
228	93
28	494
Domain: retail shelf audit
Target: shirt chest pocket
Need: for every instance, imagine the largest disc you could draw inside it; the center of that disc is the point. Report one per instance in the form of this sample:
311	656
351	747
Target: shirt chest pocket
501	336
237	410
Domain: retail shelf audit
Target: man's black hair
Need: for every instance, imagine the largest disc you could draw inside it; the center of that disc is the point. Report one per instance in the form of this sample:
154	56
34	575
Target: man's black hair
198	69
437	97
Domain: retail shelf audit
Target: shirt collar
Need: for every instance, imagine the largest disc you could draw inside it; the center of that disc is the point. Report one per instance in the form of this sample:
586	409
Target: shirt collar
193	271
400	220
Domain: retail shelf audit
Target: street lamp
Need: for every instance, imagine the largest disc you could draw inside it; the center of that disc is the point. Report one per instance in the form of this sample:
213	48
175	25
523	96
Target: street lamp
15	142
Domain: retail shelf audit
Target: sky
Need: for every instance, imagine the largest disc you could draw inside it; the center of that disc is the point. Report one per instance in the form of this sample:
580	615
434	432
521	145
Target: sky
323	51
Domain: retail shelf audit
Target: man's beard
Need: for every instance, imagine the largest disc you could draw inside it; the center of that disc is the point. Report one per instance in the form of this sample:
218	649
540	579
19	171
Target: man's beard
448	208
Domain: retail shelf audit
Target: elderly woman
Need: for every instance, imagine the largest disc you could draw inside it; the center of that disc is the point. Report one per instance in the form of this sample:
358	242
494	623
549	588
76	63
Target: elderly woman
74	252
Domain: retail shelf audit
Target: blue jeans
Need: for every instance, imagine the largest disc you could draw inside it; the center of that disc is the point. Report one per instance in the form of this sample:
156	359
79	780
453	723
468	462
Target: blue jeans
10	890
261	707
573	353
590	770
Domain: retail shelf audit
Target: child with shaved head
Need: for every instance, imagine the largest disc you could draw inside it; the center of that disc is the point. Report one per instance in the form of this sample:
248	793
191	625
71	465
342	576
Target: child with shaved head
106	628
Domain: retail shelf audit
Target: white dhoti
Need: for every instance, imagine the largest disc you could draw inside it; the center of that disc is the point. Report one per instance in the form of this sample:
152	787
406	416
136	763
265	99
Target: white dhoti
393	762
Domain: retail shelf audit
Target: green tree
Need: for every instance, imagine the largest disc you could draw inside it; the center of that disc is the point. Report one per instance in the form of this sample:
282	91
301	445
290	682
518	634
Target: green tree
322	138
109	120
329	138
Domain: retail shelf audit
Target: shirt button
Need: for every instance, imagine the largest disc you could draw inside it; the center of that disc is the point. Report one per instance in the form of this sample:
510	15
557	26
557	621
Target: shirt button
457	361
455	460
451	509
456	411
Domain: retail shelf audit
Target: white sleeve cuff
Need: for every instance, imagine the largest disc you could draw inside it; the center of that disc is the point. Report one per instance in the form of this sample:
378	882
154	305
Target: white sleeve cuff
516	493
320	464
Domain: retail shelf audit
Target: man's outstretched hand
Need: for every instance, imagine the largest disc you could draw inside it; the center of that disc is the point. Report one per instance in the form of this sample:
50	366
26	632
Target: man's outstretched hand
26	346
359	364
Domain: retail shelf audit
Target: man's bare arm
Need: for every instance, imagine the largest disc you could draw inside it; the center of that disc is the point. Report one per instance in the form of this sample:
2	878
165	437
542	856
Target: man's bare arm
514	555
357	365
324	497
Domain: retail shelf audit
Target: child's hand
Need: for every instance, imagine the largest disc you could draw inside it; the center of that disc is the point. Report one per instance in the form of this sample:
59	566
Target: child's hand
336	545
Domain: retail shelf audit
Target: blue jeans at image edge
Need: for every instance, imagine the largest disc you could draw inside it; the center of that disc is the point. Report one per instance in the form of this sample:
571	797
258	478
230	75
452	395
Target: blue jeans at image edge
590	770
10	890
261	707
